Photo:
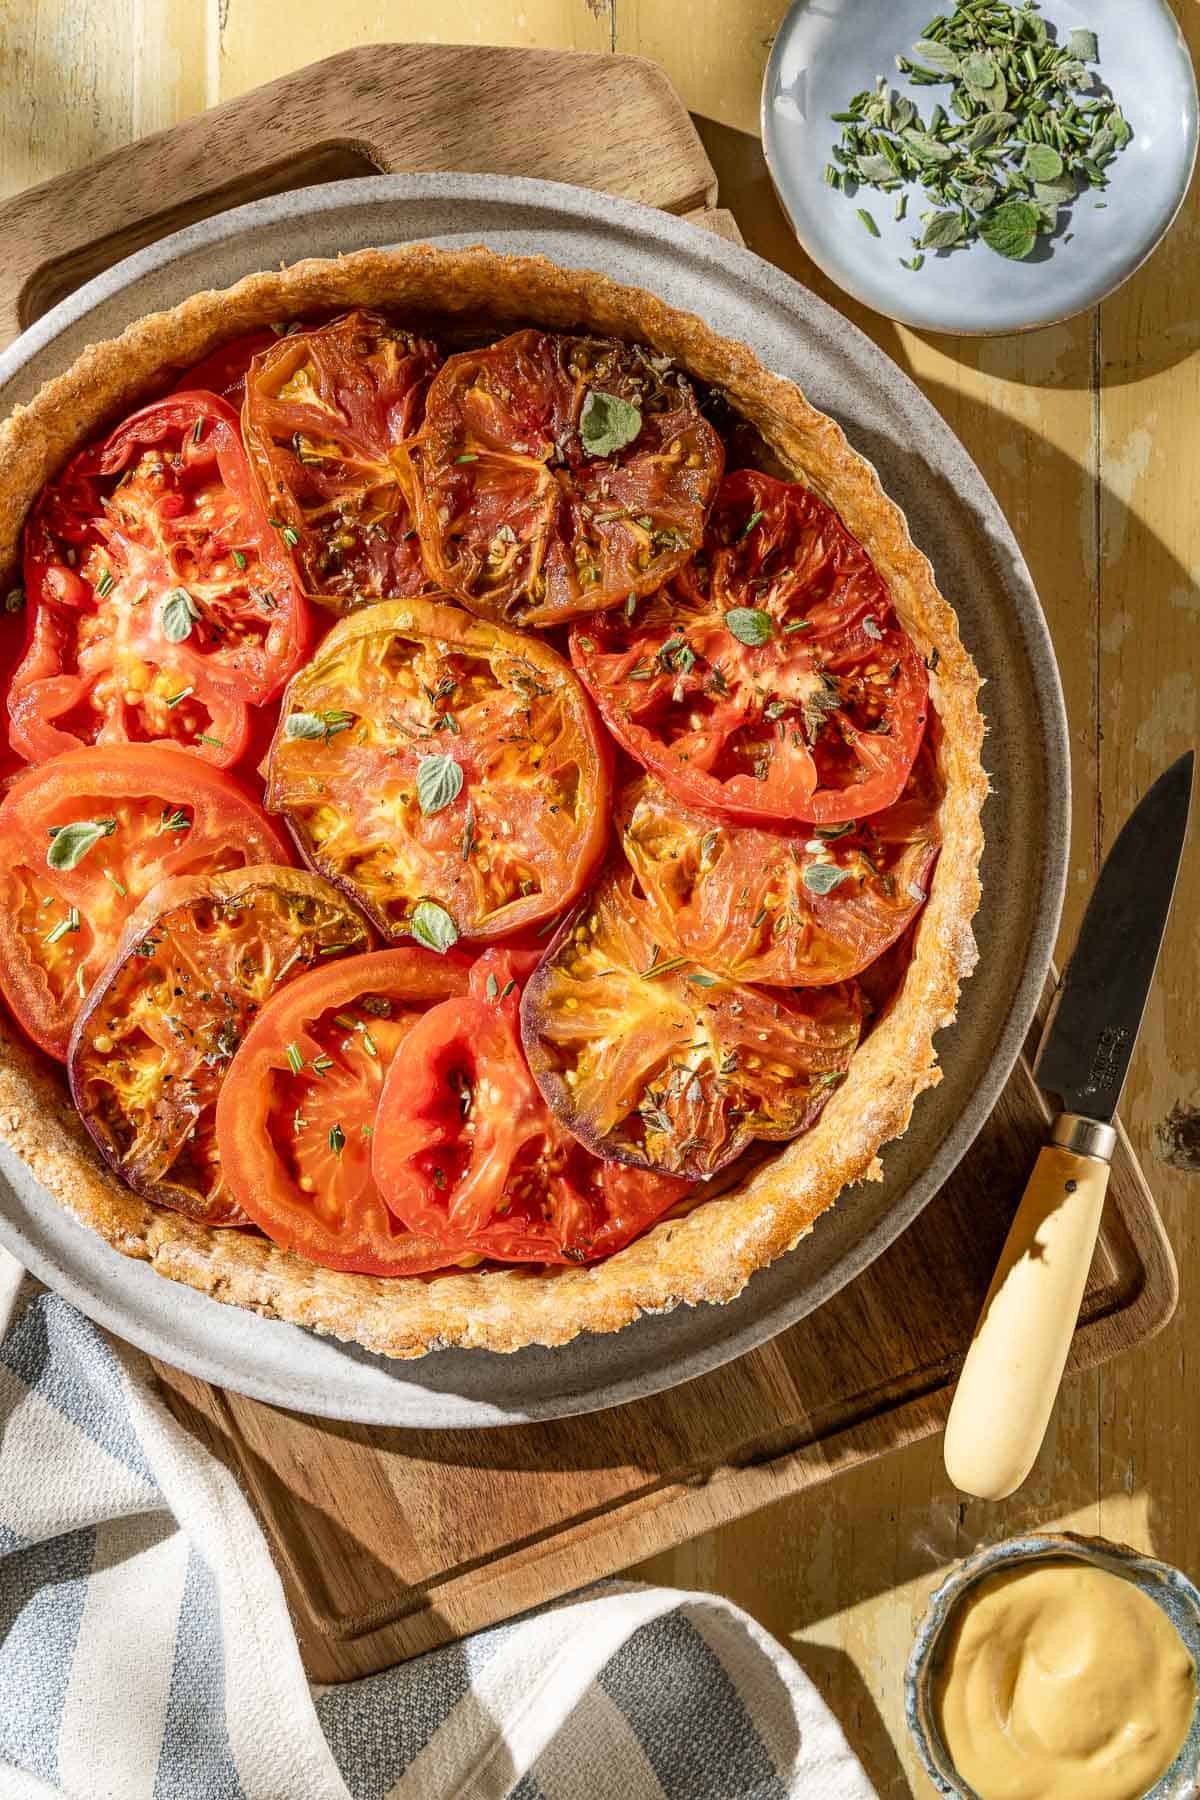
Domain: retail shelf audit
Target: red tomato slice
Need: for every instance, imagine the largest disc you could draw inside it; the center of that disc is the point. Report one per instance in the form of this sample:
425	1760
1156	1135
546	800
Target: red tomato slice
296	1115
194	966
324	410
223	370
772	680
649	1057
134	815
518	516
788	908
466	1150
437	766
160	600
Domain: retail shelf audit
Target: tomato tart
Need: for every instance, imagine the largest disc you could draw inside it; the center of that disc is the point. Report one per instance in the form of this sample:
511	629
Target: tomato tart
491	818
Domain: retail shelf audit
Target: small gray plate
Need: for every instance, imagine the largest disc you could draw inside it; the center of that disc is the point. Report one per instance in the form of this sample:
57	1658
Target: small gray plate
953	518
827	50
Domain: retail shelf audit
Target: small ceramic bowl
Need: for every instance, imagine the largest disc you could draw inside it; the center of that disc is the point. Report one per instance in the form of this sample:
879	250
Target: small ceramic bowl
827	50
1169	1589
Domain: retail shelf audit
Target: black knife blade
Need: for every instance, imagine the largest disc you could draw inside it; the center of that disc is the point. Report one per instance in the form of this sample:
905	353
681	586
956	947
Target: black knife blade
1097	1011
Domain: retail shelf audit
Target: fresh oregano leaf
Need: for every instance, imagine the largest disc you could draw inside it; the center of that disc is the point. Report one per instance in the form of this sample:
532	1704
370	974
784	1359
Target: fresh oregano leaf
750	624
71	843
979	195
979	71
989	130
1054	193
875	168
926	148
1042	163
1083	45
822	878
937	56
607	423
1011	228
942	230
179	613
439	781
432	926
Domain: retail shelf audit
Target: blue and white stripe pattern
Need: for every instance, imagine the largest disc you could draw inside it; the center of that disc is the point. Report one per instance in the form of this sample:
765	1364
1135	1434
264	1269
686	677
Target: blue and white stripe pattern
146	1651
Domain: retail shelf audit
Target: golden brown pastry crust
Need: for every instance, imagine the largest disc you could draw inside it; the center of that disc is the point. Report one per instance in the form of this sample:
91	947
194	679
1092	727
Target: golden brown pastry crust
712	1252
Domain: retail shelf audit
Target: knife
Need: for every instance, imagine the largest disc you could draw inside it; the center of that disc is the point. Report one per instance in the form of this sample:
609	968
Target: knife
1010	1378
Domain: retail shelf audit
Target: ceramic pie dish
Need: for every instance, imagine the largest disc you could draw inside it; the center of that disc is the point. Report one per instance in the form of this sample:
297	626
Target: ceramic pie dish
710	1253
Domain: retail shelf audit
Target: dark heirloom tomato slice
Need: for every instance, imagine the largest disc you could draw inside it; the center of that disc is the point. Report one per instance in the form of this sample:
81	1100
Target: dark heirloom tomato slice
797	909
466	1149
771	681
223	370
324	409
157	1034
83	839
434	765
523	521
650	1058
296	1113
160	600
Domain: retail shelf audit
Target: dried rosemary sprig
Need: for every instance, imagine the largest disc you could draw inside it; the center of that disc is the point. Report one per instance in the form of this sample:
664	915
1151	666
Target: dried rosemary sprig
1029	128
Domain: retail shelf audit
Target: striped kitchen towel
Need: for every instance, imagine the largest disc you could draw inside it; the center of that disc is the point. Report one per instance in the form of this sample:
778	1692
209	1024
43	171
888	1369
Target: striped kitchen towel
146	1651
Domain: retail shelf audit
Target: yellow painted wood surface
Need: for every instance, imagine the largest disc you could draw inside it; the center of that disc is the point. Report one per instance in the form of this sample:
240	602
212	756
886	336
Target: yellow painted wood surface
1088	434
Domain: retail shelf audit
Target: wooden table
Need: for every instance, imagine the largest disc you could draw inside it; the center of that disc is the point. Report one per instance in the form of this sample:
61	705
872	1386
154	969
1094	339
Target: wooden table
1087	433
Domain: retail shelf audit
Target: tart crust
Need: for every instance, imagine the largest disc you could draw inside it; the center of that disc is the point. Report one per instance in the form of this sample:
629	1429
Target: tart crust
710	1253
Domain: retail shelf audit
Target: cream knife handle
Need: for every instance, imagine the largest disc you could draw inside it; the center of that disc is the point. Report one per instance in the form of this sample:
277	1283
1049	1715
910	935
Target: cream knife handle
1007	1388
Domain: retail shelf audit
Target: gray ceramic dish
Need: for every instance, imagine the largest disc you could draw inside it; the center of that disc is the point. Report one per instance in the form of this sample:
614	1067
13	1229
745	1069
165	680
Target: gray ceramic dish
827	50
953	518
1165	1585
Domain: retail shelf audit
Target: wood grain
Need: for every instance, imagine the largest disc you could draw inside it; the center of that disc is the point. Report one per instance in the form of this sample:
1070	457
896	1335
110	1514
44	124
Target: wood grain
1108	520
390	1542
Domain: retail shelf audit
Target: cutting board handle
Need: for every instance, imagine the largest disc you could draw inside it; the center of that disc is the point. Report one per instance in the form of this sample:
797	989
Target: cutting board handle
380	108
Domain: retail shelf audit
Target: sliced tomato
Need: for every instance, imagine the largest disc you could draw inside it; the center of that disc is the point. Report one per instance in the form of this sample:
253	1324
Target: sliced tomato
523	521
133	815
425	760
653	1059
324	410
157	1034
772	680
788	908
296	1114
160	601
224	369
466	1149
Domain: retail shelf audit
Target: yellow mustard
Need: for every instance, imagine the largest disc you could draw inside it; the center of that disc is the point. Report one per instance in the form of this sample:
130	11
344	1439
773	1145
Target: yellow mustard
1063	1682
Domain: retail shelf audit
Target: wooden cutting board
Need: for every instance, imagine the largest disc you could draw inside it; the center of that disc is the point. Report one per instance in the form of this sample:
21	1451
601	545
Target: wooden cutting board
390	1542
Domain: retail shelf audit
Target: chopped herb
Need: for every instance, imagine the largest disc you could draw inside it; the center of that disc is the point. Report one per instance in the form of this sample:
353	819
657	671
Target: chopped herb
607	423
493	988
239	559
337	1139
197	428
179	613
748	527
72	922
317	725
750	624
216	742
69	844
14	600
830	832
666	967
298	1122
1014	123
432	926
104	584
183	694
507	989
871	626
119	886
174	820
588	644
439	783
295	1060
798	625
705	981
468	836
321	1064
822	878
